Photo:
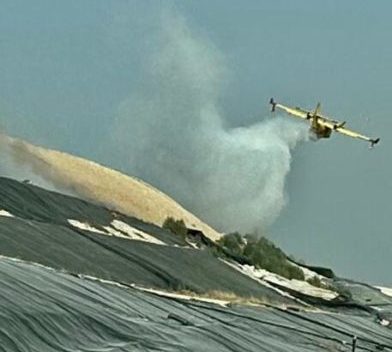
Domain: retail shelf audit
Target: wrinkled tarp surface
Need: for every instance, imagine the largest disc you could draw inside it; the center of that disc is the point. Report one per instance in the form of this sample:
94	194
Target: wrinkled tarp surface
46	310
54	308
41	233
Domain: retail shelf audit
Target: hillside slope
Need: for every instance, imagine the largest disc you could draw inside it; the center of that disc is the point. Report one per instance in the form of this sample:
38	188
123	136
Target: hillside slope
77	276
67	233
102	185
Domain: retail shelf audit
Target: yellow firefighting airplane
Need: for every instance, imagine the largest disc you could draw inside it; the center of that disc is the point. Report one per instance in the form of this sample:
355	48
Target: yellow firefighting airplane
321	125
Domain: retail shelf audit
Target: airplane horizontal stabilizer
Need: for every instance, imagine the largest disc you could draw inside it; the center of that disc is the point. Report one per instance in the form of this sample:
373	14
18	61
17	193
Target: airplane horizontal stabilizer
374	141
273	103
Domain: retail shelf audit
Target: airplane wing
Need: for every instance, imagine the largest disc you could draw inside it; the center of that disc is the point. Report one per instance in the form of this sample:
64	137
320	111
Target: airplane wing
354	134
297	112
338	127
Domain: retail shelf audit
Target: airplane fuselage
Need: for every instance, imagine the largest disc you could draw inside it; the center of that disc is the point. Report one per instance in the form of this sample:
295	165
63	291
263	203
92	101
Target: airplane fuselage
320	131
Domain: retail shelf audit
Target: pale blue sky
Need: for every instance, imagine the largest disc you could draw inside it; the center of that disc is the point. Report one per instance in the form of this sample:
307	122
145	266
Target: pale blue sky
66	66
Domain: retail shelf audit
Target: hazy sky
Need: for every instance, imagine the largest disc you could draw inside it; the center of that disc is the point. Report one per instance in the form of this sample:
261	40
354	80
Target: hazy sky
66	68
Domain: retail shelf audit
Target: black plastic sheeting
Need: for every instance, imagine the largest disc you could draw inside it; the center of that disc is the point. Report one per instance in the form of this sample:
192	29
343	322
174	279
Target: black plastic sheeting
123	260
45	310
41	233
30	202
52	309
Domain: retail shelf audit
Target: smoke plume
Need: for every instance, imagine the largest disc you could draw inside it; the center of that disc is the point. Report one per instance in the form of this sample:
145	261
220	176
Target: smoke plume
172	134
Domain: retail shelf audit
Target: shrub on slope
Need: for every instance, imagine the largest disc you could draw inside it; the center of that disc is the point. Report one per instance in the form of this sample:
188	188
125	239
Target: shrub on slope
261	253
177	227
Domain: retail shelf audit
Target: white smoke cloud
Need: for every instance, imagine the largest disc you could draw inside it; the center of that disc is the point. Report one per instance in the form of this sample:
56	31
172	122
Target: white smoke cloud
172	134
18	164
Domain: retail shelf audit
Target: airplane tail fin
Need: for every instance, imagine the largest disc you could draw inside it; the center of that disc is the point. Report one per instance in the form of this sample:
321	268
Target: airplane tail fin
317	110
273	103
373	142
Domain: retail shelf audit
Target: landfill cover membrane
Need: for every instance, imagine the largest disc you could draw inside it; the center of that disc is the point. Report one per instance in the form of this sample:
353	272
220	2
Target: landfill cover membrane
68	288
